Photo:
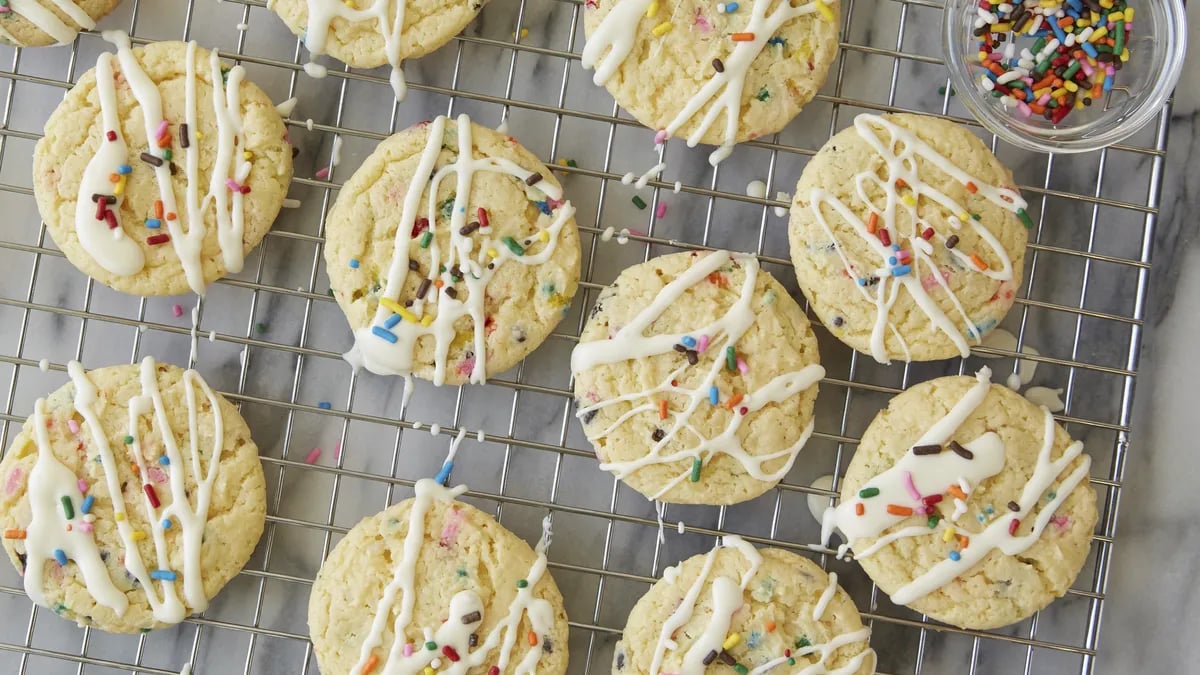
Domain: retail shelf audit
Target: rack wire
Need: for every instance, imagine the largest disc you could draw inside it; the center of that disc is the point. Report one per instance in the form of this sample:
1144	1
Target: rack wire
275	336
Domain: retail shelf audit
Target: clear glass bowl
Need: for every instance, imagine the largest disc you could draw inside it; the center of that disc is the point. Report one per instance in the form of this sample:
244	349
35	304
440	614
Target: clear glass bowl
1156	51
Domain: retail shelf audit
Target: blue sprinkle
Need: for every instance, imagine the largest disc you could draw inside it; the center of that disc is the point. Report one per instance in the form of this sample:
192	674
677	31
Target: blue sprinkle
892	260
1058	31
124	169
980	517
166	523
384	333
713	395
752	640
354	263
777	41
901	270
544	207
86	506
1051	495
324	405
1108	81
444	475
391	321
730	8
955	556
164	460
163	575
862	282
895	247
1091	51
155	223
989	510
688	341
60	556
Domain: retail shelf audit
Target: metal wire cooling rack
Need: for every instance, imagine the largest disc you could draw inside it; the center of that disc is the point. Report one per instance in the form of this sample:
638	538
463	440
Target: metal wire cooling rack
274	336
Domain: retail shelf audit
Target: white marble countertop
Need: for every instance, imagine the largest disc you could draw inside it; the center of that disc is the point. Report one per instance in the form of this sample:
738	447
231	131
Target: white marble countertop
278	313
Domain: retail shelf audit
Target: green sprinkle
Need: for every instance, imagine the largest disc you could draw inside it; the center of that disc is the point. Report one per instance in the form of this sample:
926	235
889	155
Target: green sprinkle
1051	495
571	163
933	521
639	202
426	238
791	661
763	94
260	327
731	358
740	669
167	155
462	573
769	297
803	642
1070	72
1025	219
513	246
129	440
59	608
868	492
68	507
976	216
696	466
446	207
431	645
522	583
1119	40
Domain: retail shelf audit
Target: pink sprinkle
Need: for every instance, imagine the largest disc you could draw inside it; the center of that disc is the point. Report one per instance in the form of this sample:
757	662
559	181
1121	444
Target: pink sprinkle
702	23
323	173
232	185
660	210
313	455
73	426
929	282
162	129
1087	70
903	255
660	137
450	530
157	475
4	9
1025	111
337	451
14	480
1061	522
911	487
82	485
996	56
702	344
1044	98
554	203
408	649
177	310
466	366
742	367
85	527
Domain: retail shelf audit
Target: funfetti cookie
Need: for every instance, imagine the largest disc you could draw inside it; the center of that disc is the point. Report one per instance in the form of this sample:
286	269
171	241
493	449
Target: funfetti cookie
452	252
435	585
37	23
968	503
131	496
161	169
714	73
696	377
908	237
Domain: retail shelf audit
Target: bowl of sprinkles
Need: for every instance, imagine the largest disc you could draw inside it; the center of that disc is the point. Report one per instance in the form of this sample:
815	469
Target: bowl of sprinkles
1064	75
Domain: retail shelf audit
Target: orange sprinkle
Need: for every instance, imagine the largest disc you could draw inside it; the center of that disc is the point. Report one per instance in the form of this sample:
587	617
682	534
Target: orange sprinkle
872	223
137	471
439	283
718	279
370	664
662	409
164	141
1044	82
978	262
532	639
770	626
1037	109
158	208
956	491
733	400
964	541
859	509
14	534
742	37
1019	93
900	183
994	67
897	510
170	215
1065	21
113	178
972	188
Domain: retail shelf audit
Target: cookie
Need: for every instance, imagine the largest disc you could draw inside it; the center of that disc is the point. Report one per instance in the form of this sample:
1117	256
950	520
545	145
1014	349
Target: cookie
908	237
741	609
432	581
968	503
716	74
354	31
144	185
451	252
131	496
37	23
695	378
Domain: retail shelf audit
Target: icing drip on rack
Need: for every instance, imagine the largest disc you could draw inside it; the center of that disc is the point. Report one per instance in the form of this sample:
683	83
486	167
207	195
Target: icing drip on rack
56	532
464	615
921	478
630	342
47	21
613	40
322	14
99	225
386	346
905	258
727	600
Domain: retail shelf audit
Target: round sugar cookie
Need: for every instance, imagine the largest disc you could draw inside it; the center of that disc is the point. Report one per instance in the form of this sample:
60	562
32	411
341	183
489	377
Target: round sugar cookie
696	377
773	608
975	505
131	496
37	23
144	186
710	76
457	586
907	236
449	284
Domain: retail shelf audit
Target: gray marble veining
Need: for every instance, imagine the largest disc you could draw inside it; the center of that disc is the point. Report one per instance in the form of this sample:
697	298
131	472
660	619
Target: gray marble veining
278	337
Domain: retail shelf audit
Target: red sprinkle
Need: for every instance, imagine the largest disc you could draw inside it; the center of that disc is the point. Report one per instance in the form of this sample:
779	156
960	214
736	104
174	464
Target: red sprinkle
151	494
101	209
158	239
1013	525
481	216
245	189
493	671
110	135
111	219
884	237
420	226
927	234
932	499
450	653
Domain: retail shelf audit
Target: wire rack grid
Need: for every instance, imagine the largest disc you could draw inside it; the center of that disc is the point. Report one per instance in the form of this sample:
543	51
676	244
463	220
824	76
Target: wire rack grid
275	337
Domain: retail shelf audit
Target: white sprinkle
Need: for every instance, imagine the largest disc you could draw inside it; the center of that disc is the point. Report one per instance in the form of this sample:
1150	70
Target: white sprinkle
290	203
1005	8
1070	41
623	236
1013	381
628	178
781	211
308	123
315	70
1045	396
1010	50
480	436
243	26
44	365
720	8
336	151
435	429
212	336
607	234
1009	77
417	426
679	527
678	187
818	503
756	189
987	83
284	109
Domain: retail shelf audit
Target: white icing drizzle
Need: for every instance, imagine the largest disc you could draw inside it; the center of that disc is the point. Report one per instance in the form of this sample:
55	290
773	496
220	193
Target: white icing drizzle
471	252
630	342
613	40
50	481
455	632
112	247
727	599
902	165
930	474
826	597
48	22
322	14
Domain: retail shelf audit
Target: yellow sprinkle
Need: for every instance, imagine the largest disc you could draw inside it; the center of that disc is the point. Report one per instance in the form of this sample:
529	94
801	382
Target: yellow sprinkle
492	253
429	670
1106	4
1001	28
544	235
524	33
731	641
824	10
1095	18
1082	23
1049	3
1128	14
427	319
562	162
1058	92
663	28
119	187
908	199
399	309
983	57
247	155
1124	55
948	534
1098	34
1079	103
652	10
199	134
120	516
964	216
1070	85
1038	92
1116	16
138	535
